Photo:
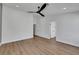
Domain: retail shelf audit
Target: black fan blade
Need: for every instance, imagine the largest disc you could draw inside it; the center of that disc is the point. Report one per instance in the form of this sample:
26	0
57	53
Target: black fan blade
31	12
43	6
41	14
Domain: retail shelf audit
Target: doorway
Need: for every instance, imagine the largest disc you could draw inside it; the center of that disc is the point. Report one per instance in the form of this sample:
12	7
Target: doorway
34	29
53	30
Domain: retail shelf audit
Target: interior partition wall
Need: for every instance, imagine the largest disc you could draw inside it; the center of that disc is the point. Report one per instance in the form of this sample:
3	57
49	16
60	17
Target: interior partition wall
0	21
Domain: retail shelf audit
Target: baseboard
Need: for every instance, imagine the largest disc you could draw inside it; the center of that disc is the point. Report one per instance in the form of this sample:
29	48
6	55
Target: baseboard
69	43
53	38
16	40
40	36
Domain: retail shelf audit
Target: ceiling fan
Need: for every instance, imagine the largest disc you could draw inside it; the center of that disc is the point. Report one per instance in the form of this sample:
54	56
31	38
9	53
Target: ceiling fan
40	9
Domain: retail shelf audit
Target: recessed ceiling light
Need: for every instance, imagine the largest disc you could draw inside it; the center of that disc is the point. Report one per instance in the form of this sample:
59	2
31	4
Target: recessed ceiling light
64	8
17	5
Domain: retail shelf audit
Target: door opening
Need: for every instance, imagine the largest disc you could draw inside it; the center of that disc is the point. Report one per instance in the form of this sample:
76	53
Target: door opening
34	26
53	30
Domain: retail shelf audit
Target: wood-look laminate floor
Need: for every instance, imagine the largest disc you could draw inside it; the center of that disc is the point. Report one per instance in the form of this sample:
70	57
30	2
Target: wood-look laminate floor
38	46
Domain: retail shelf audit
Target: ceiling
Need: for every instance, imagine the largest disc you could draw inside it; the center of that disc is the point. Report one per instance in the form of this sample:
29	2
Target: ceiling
52	8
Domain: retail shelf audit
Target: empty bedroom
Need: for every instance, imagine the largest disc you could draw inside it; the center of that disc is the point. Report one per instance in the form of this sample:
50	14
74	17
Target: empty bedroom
39	29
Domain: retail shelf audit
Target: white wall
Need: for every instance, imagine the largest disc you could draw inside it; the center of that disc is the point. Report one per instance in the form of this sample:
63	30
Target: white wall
42	27
67	28
34	19
0	21
16	25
